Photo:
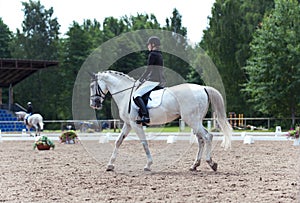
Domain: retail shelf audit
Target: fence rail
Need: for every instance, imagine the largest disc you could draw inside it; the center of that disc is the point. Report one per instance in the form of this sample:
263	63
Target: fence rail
116	124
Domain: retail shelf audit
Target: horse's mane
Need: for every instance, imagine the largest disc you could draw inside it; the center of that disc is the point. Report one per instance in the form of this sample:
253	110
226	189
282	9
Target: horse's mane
117	73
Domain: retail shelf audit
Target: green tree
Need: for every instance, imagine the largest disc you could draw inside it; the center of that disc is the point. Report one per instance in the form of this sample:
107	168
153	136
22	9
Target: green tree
179	43
227	43
40	33
80	41
38	40
5	38
141	21
112	27
274	66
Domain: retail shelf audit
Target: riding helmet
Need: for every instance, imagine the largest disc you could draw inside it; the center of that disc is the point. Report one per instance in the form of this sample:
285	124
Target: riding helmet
29	103
154	40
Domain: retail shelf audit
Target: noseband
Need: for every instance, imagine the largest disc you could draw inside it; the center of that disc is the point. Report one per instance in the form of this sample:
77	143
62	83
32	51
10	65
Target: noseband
99	91
101	94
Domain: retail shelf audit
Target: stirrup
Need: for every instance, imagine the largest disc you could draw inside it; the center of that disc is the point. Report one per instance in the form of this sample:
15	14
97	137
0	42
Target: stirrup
143	120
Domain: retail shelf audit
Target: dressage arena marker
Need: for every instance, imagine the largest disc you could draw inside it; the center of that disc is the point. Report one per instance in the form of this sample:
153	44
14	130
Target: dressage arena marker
104	138
278	131
248	139
296	142
23	132
171	139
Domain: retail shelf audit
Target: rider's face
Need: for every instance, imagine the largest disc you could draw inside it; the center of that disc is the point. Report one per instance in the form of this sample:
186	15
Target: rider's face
149	47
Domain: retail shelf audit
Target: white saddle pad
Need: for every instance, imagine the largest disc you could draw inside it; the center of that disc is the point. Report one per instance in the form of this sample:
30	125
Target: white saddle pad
155	99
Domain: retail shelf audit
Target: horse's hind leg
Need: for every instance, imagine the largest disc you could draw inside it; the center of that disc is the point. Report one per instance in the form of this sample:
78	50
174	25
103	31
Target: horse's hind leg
36	127
204	137
208	143
199	153
125	130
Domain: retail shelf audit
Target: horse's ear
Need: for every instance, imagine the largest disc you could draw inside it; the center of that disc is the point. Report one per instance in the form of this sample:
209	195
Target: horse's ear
93	75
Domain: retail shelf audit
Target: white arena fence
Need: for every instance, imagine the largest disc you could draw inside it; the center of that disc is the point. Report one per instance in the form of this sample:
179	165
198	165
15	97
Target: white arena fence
116	124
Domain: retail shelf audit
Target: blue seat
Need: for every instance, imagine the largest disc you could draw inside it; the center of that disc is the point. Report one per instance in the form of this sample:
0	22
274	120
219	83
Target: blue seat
19	129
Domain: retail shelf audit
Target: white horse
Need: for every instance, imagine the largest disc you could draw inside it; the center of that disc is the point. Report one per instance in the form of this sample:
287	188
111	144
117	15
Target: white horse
188	101
35	120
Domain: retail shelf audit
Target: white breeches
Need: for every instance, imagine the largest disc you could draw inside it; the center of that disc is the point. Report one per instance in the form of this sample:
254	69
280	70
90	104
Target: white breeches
144	88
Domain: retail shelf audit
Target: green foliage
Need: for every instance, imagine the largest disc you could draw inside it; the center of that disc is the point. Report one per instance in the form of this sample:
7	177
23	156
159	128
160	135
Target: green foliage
39	36
274	67
38	40
227	43
171	61
43	140
68	135
5	38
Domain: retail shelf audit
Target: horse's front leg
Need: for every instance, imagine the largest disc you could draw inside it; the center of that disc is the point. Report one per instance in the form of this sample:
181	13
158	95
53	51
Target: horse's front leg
124	132
142	136
28	129
149	157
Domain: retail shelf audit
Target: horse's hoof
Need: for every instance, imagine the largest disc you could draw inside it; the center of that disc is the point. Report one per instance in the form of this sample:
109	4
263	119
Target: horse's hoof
147	169
214	166
110	168
193	169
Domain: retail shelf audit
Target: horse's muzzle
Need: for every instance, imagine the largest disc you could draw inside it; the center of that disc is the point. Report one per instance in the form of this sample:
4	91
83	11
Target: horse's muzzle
96	103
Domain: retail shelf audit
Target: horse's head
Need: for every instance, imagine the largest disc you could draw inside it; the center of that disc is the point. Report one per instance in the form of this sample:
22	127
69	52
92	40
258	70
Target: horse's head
20	115
98	90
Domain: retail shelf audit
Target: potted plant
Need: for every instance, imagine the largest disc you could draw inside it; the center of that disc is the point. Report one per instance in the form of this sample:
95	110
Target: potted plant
43	143
69	137
295	134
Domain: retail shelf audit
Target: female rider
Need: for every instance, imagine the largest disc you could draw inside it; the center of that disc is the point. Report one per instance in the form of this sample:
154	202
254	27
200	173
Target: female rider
152	79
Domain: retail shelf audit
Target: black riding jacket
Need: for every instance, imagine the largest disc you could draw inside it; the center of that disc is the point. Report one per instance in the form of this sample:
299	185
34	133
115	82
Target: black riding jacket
29	110
154	71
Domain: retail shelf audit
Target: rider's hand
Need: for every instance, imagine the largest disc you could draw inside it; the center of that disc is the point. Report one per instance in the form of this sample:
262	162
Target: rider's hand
138	83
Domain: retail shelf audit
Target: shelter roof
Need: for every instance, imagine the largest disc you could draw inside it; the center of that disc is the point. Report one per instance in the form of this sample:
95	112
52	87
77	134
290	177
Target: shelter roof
13	71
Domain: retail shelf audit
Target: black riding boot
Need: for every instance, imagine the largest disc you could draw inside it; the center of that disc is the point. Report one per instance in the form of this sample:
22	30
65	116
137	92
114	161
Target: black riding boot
144	111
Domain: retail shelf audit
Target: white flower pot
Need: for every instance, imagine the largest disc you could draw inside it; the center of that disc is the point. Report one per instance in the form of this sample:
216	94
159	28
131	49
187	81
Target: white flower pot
296	142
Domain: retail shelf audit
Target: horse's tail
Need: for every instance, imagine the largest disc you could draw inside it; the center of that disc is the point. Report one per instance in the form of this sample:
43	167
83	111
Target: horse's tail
218	106
41	124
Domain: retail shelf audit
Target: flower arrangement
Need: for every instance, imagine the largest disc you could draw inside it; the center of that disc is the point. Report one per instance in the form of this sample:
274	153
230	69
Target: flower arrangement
294	133
43	143
69	137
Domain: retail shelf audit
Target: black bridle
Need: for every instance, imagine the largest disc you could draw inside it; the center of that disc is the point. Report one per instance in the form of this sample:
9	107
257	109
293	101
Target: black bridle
101	94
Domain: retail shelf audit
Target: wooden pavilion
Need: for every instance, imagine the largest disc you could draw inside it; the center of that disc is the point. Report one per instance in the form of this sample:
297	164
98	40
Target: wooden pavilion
13	71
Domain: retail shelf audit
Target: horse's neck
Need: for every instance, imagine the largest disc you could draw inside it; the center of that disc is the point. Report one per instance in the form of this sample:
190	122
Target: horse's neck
119	88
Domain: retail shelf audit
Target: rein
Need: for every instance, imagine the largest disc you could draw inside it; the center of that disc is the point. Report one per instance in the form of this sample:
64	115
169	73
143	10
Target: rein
124	90
100	92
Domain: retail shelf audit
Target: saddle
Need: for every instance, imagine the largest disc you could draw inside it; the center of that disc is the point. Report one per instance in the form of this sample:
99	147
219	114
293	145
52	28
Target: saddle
26	119
152	99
